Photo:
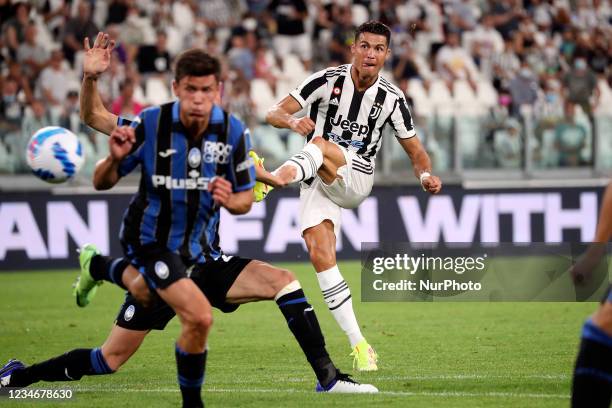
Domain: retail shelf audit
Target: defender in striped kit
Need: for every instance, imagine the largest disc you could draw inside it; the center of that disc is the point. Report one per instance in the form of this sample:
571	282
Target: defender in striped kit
347	108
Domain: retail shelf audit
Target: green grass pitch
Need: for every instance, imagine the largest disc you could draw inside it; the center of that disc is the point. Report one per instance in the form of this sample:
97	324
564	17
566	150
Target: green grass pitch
431	354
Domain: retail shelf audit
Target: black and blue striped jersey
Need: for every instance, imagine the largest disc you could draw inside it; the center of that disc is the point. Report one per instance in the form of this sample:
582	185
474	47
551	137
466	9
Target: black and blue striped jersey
173	207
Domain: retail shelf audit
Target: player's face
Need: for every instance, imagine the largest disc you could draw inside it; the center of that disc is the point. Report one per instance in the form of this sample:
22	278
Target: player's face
197	95
369	53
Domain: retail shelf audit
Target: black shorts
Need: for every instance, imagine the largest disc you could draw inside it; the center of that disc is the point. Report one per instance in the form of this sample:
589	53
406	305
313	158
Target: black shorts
159	266
214	279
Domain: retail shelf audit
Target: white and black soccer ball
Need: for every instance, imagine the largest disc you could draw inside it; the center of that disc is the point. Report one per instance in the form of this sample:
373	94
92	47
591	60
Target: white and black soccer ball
55	154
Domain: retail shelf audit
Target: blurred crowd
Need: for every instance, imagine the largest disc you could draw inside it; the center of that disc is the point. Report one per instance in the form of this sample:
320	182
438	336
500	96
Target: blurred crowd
493	73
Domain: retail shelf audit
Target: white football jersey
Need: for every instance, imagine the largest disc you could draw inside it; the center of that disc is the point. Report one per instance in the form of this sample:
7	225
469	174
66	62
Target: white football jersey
350	118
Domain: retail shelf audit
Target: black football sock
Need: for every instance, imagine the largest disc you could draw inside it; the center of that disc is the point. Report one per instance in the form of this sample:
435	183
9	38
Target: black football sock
303	323
592	384
108	269
70	366
190	368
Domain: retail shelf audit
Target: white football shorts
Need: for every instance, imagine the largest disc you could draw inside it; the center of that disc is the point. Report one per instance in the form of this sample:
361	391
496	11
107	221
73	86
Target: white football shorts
319	201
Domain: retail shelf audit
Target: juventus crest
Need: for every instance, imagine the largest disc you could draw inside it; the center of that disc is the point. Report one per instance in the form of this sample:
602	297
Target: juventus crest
375	111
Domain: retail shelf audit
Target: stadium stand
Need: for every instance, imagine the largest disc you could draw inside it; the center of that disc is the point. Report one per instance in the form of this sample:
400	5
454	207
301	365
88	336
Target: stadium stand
485	78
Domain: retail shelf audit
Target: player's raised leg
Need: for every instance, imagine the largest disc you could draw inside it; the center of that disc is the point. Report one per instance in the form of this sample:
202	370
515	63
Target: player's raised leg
321	243
261	281
95	269
73	365
318	157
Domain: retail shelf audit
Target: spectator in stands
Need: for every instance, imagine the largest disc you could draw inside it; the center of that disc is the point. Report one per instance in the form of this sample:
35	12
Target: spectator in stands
548	109
125	105
14	28
486	42
239	100
70	118
24	90
154	59
463	15
600	55
570	138
36	117
524	90
580	86
264	67
221	15
240	57
117	11
343	33
11	110
30	55
507	15
408	64
508	145
453	62
291	37
53	83
505	65
77	29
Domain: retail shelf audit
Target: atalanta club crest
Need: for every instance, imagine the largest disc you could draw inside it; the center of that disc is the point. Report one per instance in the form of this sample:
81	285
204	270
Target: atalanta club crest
195	157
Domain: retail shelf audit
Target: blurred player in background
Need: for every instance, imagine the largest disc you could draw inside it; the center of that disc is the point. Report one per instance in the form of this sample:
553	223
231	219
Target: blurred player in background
592	384
348	107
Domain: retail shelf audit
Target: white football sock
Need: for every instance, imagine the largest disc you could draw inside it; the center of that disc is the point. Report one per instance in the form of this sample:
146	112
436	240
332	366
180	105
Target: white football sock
338	298
306	162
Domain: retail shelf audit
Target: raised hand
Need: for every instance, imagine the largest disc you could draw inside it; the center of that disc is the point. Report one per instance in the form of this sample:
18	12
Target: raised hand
97	58
121	141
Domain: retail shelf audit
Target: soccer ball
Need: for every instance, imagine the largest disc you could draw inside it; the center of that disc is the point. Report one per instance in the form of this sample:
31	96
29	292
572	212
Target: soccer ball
54	154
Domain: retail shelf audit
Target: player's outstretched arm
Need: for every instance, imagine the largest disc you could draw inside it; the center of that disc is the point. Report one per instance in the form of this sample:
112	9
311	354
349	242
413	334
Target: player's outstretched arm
106	174
421	164
95	62
281	116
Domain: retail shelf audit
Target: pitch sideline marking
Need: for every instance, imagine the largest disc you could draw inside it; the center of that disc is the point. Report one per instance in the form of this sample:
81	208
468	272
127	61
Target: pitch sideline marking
294	391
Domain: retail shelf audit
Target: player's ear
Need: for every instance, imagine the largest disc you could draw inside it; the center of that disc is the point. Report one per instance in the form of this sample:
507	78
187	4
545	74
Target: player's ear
175	87
388	54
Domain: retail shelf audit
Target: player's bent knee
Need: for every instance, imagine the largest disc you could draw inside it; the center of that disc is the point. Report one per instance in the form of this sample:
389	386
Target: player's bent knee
319	141
283	278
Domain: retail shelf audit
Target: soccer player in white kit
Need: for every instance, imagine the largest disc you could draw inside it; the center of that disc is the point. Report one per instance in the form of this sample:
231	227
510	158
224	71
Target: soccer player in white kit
347	108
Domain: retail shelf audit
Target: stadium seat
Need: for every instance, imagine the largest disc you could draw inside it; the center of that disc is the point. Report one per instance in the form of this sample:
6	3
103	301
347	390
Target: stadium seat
90	153
464	99
263	97
486	94
293	69
267	142
360	14
157	91
441	99
417	92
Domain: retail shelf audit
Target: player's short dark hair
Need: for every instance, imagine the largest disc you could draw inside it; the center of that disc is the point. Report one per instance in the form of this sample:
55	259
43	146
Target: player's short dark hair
196	62
374	27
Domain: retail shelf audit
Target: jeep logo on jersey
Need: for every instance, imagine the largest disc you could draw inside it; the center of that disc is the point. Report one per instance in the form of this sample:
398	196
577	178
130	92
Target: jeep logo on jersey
195	157
353	127
199	183
216	152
